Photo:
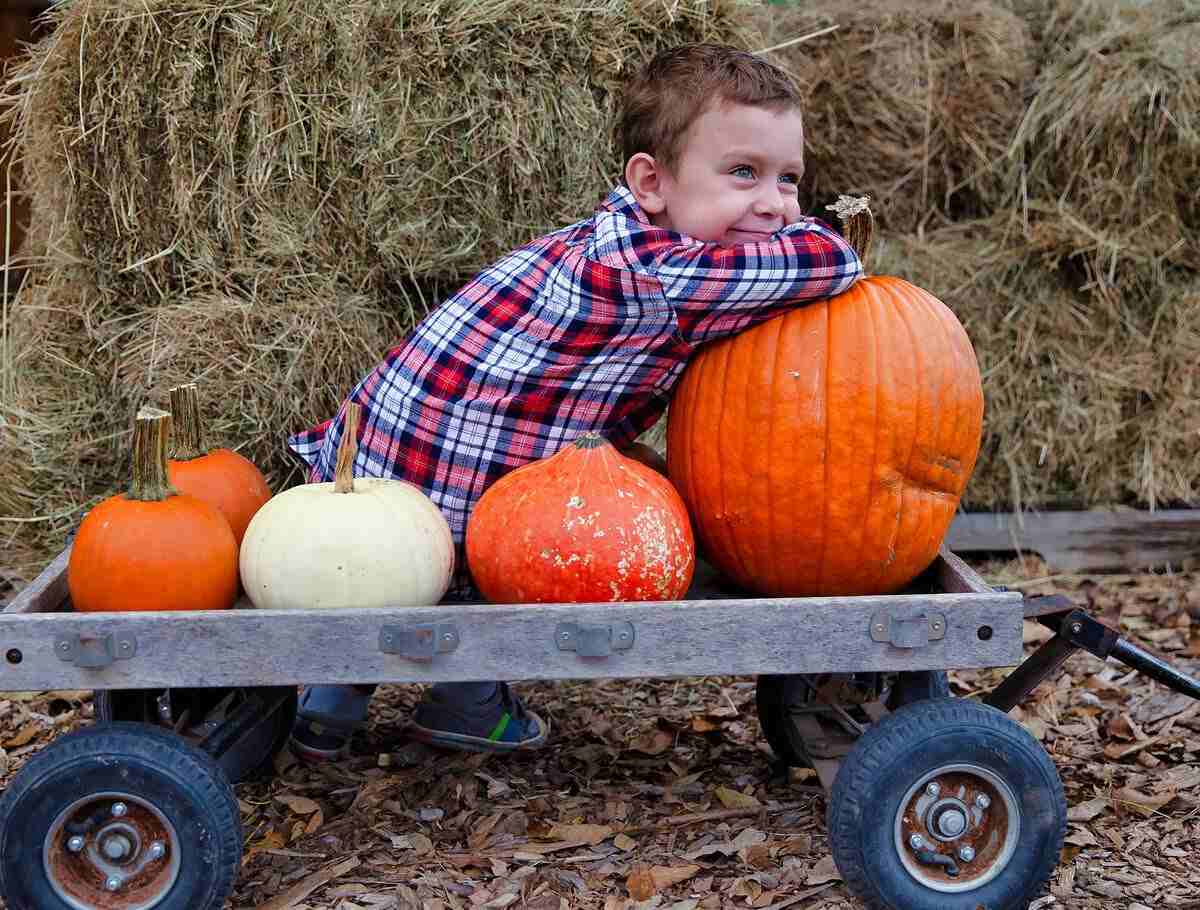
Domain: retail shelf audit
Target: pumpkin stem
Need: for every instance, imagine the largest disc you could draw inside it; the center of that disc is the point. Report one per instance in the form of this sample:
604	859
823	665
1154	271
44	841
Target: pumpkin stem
343	473
858	224
188	433
590	440
150	434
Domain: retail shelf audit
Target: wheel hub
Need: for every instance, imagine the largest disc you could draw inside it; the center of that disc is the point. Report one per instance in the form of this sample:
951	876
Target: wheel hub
113	851
957	828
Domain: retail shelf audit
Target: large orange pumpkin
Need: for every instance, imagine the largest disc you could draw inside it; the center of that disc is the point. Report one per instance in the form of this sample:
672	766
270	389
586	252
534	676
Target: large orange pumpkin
824	452
153	548
585	525
221	477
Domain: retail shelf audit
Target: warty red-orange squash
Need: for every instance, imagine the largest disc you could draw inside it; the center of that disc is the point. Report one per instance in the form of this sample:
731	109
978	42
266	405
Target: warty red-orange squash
584	525
221	477
153	548
824	452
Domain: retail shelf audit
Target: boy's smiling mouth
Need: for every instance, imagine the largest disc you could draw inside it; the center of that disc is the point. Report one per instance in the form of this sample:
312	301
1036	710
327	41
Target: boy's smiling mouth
744	235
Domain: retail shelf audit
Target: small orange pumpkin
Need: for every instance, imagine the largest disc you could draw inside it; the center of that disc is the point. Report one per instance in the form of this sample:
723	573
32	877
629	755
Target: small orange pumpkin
584	525
221	477
824	452
153	548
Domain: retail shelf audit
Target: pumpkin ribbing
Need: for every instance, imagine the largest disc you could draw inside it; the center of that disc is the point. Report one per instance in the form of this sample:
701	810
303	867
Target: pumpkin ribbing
586	524
152	548
824	451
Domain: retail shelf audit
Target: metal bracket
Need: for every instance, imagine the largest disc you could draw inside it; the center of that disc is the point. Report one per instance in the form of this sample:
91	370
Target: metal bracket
419	642
593	641
908	632
95	651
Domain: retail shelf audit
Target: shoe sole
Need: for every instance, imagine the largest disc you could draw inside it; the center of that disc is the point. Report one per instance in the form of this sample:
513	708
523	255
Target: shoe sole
463	742
313	756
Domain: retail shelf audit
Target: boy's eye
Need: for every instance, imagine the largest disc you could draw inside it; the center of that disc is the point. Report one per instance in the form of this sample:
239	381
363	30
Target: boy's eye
744	171
793	179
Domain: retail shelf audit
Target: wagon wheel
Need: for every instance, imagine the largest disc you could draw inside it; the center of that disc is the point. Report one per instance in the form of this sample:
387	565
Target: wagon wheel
121	815
946	805
196	712
776	695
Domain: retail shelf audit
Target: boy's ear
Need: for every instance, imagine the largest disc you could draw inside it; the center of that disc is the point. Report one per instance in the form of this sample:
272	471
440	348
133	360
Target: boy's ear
643	176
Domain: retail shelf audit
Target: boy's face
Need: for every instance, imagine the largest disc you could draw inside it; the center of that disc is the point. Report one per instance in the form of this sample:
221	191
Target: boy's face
736	180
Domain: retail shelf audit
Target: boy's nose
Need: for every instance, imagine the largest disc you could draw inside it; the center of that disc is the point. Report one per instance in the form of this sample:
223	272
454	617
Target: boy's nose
769	201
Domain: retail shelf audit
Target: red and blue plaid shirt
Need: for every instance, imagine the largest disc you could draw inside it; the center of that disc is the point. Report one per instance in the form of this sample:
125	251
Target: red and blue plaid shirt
587	328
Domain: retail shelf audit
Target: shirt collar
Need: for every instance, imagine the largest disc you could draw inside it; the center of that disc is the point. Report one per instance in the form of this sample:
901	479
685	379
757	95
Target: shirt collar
621	201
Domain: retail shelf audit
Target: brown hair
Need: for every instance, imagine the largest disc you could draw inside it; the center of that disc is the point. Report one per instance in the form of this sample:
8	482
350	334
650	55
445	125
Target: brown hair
681	83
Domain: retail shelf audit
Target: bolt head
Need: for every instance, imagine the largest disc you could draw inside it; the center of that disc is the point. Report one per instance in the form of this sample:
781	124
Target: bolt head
932	789
982	801
116	847
119	809
965	853
916	842
951	823
157	850
112	883
75	844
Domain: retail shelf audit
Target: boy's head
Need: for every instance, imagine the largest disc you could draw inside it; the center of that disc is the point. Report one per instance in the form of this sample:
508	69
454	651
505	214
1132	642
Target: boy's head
713	143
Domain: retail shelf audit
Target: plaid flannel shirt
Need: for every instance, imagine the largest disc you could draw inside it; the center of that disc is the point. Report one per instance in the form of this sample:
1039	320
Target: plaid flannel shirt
587	328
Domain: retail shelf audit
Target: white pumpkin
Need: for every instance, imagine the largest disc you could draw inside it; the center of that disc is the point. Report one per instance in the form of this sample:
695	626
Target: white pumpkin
365	542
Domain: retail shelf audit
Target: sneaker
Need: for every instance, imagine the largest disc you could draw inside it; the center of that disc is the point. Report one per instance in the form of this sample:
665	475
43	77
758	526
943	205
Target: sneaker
325	720
500	724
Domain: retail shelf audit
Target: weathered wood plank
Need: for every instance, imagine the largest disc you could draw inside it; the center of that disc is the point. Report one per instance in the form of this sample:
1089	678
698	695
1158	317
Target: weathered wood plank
671	639
956	577
1093	540
47	592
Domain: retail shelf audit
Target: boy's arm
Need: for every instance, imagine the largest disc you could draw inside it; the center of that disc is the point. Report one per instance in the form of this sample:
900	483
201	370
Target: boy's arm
718	290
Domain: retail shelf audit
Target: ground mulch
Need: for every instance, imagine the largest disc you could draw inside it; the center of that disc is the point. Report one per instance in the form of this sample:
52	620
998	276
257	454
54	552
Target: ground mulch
662	794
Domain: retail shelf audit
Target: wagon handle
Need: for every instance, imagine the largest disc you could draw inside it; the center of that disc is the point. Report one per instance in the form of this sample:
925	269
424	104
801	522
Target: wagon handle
1077	630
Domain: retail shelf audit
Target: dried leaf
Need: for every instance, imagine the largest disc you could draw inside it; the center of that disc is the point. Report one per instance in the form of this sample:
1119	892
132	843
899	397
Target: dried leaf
308	885
656	742
624	842
823	871
24	735
1141	803
589	834
1081	837
640	883
301	805
732	799
666	876
1085	812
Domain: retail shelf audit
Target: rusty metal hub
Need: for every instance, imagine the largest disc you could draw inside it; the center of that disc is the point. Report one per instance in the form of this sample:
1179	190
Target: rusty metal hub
957	827
111	851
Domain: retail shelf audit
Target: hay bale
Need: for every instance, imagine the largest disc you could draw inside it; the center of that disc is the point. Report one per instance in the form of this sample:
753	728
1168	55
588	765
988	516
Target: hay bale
1086	394
263	196
184	145
56	423
911	102
267	364
1104	161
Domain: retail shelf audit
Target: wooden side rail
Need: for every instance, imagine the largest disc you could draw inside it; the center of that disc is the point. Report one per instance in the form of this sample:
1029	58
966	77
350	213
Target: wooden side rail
48	592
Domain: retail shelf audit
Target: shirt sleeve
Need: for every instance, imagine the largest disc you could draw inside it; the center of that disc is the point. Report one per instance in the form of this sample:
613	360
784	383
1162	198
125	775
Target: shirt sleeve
719	290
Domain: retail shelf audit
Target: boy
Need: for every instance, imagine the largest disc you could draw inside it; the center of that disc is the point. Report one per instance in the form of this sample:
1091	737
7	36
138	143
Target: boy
588	328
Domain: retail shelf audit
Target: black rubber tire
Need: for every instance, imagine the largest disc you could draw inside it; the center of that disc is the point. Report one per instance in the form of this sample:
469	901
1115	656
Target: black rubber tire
252	758
181	781
773	694
917	685
893	754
